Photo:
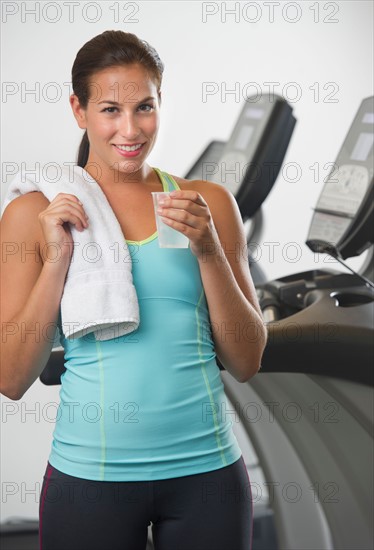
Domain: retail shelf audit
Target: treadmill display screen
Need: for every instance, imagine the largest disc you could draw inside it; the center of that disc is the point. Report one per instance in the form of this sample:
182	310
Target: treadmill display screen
363	146
243	138
368	118
254	112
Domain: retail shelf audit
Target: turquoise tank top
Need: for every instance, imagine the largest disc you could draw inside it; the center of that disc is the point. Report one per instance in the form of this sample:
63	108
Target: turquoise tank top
151	404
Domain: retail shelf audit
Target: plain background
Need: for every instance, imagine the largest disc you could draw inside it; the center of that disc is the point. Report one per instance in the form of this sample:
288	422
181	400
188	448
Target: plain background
318	54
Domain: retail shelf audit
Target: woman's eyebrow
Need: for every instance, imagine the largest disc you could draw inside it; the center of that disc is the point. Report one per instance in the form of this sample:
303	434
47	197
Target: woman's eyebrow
116	104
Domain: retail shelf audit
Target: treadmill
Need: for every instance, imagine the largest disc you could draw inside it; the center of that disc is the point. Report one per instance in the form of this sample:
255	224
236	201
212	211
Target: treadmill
309	412
248	164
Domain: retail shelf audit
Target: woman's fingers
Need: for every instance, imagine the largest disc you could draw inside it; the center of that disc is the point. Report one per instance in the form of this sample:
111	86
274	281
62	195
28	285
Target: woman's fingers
70	209
64	208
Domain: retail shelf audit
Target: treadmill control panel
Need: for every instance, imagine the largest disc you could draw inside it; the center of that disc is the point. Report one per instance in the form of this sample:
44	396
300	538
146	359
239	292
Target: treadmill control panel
249	162
241	147
343	215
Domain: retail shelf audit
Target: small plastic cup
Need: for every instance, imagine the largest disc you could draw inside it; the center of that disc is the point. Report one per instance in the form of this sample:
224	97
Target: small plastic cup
168	237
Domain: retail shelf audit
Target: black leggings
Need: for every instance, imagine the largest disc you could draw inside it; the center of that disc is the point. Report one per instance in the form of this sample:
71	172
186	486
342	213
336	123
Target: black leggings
209	511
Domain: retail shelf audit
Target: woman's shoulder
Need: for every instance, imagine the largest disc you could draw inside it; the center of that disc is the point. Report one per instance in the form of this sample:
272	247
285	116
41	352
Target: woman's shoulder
34	198
218	198
201	186
21	215
25	206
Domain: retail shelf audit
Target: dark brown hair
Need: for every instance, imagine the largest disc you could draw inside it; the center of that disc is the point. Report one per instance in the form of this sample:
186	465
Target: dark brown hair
110	49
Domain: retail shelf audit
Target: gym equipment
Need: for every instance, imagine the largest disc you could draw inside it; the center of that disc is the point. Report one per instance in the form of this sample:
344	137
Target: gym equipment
312	403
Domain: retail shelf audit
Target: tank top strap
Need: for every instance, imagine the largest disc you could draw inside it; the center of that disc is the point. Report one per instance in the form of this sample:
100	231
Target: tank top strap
167	180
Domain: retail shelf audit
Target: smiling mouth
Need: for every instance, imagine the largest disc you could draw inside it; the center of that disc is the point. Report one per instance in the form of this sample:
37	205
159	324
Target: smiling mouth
129	148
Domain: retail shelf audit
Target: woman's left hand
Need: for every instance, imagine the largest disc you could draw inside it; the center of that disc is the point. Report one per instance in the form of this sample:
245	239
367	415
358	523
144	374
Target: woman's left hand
187	212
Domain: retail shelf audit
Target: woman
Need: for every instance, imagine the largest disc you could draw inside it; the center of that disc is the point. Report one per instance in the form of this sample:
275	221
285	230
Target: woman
162	450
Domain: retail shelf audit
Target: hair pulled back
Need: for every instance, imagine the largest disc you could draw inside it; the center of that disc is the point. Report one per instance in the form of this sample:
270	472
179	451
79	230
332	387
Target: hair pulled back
110	49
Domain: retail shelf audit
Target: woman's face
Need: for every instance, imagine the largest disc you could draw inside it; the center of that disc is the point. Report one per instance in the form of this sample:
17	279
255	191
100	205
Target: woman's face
121	118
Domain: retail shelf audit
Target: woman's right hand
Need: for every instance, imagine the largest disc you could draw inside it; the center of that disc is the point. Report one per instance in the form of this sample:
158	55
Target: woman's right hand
54	220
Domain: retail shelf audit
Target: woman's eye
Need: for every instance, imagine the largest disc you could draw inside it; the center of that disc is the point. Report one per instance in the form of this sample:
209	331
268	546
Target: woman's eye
144	107
148	107
109	109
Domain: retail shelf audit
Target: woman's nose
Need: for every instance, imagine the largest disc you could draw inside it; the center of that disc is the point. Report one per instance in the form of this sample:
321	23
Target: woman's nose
128	127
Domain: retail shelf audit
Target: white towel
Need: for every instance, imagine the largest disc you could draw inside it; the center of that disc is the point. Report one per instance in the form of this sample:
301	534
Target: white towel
99	295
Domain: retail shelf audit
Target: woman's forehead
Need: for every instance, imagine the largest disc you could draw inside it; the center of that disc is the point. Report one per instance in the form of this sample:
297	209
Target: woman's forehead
133	72
122	83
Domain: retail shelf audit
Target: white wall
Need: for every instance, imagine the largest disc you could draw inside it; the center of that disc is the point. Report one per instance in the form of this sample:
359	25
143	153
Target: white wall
334	57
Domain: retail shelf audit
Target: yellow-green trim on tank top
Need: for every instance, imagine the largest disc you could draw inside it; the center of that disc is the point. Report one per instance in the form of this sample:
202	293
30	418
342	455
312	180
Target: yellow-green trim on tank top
102	416
206	379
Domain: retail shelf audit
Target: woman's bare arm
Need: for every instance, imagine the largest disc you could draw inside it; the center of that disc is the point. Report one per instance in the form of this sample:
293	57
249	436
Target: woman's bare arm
208	214
30	296
238	328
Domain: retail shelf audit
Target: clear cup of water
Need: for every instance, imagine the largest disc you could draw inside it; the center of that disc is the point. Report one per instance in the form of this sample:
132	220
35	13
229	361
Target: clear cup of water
168	237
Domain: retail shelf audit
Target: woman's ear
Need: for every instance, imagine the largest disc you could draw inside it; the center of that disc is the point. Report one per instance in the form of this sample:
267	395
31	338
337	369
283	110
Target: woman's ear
78	111
159	97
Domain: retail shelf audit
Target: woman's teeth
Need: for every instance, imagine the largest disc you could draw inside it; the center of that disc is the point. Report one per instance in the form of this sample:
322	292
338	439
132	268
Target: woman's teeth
127	148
